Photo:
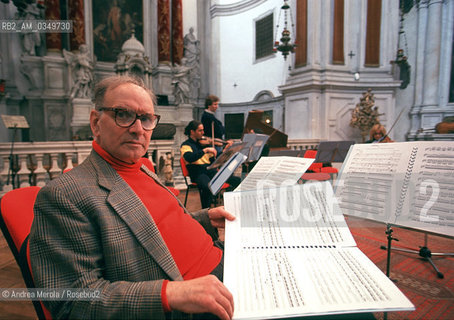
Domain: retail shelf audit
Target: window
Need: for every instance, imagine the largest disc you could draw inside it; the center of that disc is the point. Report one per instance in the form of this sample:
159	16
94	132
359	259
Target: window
264	37
373	26
234	125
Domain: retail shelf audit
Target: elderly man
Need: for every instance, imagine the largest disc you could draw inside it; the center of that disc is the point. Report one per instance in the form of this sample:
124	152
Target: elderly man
110	225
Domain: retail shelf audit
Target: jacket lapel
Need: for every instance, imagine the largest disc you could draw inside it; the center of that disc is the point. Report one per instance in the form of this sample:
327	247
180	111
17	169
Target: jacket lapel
131	210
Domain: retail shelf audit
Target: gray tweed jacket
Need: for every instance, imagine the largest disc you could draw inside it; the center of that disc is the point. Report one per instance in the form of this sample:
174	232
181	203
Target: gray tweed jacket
92	231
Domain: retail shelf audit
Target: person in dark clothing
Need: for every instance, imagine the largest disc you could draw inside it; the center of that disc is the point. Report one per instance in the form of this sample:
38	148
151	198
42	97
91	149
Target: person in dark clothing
210	122
197	158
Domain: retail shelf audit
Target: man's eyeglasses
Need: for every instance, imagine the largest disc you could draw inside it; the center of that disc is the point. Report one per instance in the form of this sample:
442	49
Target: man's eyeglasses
125	118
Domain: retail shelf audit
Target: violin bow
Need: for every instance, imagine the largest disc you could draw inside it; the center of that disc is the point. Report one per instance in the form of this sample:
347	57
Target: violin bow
395	122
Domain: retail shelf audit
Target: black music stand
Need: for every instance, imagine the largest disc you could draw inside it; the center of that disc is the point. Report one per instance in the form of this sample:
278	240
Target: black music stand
13	122
255	142
424	252
333	151
226	155
227	169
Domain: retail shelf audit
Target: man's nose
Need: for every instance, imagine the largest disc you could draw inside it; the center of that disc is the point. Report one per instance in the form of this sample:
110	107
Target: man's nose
136	126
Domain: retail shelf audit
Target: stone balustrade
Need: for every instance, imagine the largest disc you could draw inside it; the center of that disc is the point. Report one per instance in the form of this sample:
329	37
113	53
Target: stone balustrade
303	144
35	163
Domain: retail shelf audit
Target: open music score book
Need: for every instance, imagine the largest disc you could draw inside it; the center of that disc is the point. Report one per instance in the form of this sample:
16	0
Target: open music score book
289	253
273	171
408	184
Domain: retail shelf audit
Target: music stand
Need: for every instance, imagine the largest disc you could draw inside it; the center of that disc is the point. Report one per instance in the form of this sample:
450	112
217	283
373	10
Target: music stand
225	172
424	251
226	155
333	151
13	122
255	143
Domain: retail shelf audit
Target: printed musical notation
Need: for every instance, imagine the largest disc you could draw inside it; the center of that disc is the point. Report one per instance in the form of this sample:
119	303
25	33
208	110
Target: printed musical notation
273	171
409	184
289	252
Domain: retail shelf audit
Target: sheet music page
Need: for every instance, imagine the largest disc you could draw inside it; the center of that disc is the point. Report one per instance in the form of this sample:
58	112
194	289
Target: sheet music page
275	217
370	182
298	258
274	171
429	202
408	184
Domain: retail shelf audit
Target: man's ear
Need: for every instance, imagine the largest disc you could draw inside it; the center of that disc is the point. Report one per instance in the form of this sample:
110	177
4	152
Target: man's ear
94	122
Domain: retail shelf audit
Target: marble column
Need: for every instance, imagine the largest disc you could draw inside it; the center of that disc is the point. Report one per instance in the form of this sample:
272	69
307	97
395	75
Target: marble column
432	54
53	40
76	14
163	31
177	31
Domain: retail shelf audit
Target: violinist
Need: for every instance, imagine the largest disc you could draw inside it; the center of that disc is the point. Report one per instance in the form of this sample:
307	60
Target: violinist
197	158
212	126
377	134
208	141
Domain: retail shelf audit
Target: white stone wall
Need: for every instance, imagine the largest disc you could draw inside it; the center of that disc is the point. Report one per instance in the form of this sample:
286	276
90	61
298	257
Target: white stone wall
320	97
429	27
235	75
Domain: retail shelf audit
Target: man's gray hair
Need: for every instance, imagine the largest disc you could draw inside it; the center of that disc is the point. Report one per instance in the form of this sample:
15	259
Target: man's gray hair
112	82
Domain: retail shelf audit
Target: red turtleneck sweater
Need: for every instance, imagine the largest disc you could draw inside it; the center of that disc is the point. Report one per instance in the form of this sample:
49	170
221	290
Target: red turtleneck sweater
191	247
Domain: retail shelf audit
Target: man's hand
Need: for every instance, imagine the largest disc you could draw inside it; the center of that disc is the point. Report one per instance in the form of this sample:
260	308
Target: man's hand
210	150
229	144
200	295
218	215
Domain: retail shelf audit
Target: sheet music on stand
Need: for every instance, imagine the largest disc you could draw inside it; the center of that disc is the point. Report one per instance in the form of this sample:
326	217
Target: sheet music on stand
15	121
226	155
273	171
254	145
289	252
333	151
407	184
225	172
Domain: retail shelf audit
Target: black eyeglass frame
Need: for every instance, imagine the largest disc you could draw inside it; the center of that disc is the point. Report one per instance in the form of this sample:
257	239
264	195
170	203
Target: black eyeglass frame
138	116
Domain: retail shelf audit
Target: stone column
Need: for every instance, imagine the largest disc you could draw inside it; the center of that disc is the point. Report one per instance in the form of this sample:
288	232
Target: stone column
432	54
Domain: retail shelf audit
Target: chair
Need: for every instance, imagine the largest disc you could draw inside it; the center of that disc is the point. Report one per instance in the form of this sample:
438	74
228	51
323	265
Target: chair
190	184
331	171
318	167
16	217
315	166
315	176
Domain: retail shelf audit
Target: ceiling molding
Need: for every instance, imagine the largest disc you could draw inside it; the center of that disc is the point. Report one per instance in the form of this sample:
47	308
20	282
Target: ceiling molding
234	8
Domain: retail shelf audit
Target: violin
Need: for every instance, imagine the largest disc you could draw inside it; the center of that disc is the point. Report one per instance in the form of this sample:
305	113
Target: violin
384	139
207	141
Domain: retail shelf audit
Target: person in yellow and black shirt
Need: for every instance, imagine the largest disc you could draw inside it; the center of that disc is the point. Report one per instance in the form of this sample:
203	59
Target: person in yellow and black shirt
197	158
